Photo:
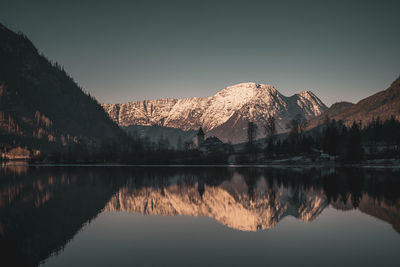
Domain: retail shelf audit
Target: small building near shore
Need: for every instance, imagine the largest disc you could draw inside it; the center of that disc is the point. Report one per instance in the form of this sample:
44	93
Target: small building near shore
208	145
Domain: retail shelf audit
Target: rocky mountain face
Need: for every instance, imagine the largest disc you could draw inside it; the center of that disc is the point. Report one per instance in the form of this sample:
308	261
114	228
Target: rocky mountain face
384	104
224	115
41	107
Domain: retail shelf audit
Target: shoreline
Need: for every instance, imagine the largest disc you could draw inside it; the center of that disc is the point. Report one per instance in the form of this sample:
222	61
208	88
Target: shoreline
255	165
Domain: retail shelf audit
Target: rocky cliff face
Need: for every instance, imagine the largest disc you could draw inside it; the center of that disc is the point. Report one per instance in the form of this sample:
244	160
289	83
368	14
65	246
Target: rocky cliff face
224	115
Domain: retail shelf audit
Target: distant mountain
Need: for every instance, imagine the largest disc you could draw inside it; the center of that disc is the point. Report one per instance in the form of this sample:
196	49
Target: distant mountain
224	115
41	107
383	104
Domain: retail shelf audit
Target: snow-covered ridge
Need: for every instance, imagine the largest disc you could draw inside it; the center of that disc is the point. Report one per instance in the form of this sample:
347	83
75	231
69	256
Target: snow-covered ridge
231	106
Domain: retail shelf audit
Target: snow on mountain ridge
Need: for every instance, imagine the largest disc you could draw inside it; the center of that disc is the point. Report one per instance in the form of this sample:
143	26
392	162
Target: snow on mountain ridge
244	102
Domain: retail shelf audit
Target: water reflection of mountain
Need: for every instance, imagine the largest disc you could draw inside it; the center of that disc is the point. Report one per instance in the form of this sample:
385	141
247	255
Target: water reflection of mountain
41	209
230	202
253	201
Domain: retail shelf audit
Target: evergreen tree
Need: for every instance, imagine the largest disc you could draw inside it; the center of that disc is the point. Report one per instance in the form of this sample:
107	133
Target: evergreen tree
270	131
353	151
251	136
179	144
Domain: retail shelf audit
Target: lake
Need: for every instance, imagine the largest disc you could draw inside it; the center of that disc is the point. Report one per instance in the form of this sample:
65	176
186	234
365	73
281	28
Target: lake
198	216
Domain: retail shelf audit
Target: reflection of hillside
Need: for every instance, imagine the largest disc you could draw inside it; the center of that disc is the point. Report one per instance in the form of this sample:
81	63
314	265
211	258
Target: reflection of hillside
41	212
382	210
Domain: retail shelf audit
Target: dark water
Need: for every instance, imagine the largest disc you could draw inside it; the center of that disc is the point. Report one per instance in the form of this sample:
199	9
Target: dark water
125	216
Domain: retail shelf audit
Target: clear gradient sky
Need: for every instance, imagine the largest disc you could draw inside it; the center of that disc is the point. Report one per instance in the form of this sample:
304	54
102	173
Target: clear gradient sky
123	51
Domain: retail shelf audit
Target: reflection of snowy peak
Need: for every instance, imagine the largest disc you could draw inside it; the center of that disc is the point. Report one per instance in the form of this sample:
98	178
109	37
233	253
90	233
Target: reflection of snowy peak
231	203
231	108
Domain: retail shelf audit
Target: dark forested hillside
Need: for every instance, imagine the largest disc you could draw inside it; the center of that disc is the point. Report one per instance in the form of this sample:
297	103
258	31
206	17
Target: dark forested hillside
41	106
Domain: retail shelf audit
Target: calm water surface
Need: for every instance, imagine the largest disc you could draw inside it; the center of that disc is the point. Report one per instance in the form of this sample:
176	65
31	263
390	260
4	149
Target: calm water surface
126	216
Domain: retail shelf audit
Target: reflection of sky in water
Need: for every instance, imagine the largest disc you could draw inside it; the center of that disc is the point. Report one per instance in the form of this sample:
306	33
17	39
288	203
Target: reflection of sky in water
335	238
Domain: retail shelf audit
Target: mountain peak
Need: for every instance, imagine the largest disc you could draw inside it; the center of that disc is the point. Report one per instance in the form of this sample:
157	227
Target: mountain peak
251	85
245	84
246	91
224	114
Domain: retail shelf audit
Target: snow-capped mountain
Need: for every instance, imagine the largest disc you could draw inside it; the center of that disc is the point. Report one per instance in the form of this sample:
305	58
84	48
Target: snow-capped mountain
224	115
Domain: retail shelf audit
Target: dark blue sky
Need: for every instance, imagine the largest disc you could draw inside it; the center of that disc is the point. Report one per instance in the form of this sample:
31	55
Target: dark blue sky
122	51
